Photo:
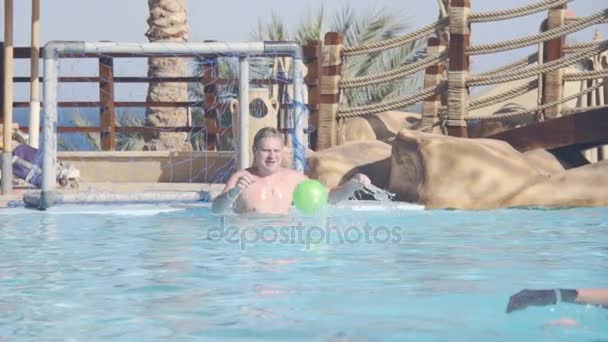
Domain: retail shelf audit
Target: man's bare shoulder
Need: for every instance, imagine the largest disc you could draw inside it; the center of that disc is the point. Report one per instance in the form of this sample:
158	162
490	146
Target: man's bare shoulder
235	176
248	171
293	174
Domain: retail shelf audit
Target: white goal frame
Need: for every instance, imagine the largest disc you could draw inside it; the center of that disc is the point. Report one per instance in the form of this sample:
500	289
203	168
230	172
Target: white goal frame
54	50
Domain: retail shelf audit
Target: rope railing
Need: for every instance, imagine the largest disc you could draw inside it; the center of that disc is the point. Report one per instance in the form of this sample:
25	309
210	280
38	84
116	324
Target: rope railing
530	59
516	12
394	42
478	80
574	20
506	45
427	128
572	48
392	74
349	112
508	95
538	108
568	111
523	68
585	75
498	98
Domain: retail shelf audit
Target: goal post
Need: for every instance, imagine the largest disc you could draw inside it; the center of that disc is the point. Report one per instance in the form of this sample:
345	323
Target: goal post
55	50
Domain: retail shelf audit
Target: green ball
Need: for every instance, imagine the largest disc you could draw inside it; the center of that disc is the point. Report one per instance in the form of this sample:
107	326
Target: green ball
310	196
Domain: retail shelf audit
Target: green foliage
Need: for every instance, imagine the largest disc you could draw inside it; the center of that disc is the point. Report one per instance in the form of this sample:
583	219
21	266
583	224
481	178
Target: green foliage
124	141
92	138
275	30
129	141
358	29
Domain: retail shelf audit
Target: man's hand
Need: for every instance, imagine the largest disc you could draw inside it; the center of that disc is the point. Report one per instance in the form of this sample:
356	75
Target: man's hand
525	298
360	181
244	182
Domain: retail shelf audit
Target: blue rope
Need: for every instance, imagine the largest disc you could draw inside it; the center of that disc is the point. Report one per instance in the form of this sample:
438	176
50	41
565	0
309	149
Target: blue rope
299	150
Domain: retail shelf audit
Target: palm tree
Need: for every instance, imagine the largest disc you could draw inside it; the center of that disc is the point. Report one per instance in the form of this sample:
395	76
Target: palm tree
167	22
92	141
357	29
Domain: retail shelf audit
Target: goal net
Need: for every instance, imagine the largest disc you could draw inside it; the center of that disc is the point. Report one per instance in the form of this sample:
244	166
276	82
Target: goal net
121	119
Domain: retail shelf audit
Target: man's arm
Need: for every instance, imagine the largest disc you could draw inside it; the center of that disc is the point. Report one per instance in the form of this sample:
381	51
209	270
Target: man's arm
525	298
225	200
592	296
346	190
341	192
231	192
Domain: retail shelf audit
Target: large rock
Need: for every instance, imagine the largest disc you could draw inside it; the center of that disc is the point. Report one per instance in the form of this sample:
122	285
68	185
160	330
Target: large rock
449	172
579	187
383	126
335	165
496	124
545	162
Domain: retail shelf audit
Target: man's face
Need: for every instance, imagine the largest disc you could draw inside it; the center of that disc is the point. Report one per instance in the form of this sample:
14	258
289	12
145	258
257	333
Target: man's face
268	155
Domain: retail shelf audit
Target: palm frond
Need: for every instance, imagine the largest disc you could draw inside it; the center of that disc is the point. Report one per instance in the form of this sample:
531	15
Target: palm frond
357	28
312	28
129	141
93	139
380	25
258	33
275	30
343	22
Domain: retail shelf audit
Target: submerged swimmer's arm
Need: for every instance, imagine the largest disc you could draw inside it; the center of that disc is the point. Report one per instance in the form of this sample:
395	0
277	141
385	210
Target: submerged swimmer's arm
525	298
342	192
347	190
592	296
233	189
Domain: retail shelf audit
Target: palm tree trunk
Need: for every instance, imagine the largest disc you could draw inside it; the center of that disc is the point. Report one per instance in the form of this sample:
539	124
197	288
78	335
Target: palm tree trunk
167	22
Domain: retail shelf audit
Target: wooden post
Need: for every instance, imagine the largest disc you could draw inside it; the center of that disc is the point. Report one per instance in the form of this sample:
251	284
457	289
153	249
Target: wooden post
313	59
458	72
553	84
2	81
6	184
329	92
211	109
107	124
432	77
34	117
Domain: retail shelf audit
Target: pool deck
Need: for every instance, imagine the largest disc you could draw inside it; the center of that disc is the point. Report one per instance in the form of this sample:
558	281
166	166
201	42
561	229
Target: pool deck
213	189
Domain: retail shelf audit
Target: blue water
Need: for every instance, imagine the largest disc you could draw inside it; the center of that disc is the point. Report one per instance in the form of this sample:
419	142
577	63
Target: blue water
71	117
167	273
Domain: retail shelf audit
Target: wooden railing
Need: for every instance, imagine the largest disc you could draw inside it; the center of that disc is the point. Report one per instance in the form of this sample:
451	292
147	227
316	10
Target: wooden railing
107	104
446	100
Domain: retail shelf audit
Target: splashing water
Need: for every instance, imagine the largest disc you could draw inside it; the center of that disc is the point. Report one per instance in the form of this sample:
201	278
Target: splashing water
381	195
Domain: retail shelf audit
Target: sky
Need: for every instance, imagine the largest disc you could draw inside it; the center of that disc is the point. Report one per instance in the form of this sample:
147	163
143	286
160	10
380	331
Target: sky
235	20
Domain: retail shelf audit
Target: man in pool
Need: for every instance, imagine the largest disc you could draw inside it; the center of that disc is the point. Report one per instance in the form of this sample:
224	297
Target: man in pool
268	188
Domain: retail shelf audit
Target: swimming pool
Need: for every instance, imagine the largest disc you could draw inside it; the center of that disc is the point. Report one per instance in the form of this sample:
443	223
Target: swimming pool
157	273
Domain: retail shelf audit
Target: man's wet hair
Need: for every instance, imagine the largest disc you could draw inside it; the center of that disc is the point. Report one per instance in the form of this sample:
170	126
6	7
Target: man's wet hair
266	132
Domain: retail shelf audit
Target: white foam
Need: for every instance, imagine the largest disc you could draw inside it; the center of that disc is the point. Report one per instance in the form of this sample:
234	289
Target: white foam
154	209
378	206
119	210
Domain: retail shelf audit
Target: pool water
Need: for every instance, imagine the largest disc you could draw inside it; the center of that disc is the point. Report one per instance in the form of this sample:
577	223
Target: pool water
352	273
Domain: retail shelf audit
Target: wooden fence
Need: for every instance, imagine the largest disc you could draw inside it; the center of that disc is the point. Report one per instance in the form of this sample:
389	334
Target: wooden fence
106	81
